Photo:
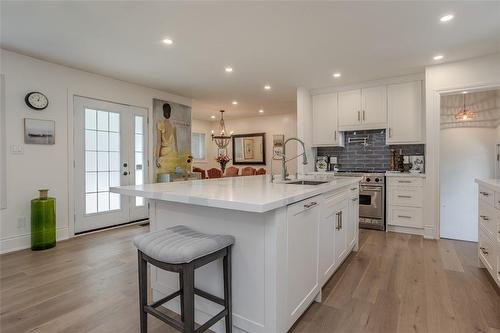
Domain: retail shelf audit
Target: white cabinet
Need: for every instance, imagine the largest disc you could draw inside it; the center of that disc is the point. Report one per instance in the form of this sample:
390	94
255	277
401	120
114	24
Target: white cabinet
353	225
363	109
405	113
341	225
325	123
404	204
302	256
489	231
326	230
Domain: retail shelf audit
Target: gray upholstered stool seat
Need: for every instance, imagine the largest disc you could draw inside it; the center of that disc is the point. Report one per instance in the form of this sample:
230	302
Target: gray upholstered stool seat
180	244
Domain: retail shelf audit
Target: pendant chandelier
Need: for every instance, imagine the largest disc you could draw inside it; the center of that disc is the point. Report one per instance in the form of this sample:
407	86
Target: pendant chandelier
222	139
465	114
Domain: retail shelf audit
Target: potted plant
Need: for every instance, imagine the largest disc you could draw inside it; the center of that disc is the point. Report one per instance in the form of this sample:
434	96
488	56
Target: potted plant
222	160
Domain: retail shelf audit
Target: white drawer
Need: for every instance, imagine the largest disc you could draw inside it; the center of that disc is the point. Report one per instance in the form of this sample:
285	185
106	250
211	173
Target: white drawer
488	219
405	216
405	181
486	195
487	251
406	196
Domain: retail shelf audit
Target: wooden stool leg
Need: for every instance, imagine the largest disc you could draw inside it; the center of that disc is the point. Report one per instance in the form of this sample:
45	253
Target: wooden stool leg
181	289
143	292
227	290
188	291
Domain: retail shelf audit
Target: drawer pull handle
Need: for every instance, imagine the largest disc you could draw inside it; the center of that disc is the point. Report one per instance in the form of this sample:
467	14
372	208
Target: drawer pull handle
404	181
485	193
356	199
354	189
404	196
485	218
404	216
309	205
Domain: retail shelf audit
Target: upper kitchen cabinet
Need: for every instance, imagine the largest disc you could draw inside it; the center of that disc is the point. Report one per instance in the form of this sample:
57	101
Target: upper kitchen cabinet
405	114
325	121
363	109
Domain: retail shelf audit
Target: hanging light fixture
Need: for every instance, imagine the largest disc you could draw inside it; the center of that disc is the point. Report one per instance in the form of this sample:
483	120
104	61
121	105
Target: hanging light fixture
465	114
222	139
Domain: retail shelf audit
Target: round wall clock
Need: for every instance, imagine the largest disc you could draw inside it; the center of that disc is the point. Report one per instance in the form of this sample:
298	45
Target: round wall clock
36	100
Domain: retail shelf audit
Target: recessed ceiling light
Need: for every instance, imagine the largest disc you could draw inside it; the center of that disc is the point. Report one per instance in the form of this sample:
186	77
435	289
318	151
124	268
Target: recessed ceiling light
168	41
261	111
213	117
229	69
337	75
235	102
446	18
438	57
464	92
267	87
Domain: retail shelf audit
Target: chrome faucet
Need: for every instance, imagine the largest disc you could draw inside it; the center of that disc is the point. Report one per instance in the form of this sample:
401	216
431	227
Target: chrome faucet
284	160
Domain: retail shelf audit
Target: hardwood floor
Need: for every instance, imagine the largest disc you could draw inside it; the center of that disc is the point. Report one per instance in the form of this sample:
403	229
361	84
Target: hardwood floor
395	283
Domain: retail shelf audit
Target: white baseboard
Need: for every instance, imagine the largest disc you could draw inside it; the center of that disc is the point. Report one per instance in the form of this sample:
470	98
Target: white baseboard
21	242
405	230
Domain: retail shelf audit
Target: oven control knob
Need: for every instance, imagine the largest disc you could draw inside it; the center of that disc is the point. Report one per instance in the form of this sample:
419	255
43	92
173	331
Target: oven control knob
377	180
368	179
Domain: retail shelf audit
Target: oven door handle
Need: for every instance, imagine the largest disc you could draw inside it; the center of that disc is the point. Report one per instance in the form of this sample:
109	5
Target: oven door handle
371	188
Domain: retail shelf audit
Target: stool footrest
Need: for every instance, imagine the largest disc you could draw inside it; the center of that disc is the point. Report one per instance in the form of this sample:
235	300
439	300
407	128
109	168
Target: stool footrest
210	297
165	299
163	317
211	321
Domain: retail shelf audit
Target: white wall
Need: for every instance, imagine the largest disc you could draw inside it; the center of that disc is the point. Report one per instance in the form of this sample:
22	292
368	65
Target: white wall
49	166
305	127
273	124
457	76
466	154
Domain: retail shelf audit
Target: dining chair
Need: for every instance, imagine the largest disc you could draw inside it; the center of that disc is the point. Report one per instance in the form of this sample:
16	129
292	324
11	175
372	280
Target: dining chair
261	171
214	173
248	171
232	171
202	171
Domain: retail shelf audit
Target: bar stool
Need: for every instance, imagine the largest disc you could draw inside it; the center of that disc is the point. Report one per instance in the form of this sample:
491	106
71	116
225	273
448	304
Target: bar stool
182	250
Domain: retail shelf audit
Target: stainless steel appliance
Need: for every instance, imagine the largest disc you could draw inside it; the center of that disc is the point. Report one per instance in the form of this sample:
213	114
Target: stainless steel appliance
371	199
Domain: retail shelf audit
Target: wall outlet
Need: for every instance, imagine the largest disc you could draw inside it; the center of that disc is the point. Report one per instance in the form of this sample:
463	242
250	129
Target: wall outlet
17	149
21	222
333	159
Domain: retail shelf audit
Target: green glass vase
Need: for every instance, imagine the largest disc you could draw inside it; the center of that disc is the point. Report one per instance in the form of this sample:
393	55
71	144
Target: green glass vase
43	222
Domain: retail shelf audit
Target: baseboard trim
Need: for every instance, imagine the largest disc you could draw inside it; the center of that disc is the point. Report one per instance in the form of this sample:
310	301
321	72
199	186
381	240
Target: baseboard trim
22	242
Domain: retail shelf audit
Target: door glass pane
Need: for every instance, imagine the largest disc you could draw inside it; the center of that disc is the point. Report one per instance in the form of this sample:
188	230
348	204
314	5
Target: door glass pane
139	156
102	154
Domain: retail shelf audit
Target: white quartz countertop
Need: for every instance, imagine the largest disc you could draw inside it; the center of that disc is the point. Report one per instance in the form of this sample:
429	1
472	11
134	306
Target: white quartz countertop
249	193
404	174
492	183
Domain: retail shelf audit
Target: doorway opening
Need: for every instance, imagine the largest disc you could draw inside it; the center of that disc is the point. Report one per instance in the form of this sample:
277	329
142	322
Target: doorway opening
469	136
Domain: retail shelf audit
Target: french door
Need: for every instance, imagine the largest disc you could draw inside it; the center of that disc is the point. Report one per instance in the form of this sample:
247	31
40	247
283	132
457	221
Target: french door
109	144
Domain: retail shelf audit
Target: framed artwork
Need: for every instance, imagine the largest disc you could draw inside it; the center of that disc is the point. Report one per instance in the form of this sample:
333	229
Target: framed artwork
221	151
39	131
278	145
249	149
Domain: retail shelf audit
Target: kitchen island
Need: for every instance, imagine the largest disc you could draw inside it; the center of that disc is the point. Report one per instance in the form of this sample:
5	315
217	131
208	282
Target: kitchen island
290	239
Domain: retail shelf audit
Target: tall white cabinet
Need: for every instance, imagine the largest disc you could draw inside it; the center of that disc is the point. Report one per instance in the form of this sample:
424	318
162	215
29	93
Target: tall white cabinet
405	115
325	121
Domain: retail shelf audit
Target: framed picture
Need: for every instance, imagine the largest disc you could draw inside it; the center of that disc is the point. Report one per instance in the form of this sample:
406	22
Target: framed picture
278	143
249	149
221	151
39	132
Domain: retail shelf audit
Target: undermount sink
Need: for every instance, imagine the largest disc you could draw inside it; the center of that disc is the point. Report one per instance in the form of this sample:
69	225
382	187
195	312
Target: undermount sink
308	182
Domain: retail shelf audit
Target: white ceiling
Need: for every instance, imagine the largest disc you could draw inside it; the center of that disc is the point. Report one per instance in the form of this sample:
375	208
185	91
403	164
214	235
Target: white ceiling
285	44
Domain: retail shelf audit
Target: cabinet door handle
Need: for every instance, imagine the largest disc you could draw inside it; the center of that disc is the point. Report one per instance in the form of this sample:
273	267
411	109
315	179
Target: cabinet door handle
404	196
335	136
337	221
404	216
354	199
311	204
363	115
484	217
359	116
341	222
389	130
485	193
404	181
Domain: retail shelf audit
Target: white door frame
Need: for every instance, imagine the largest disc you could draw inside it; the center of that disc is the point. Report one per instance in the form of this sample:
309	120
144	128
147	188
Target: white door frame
72	93
432	158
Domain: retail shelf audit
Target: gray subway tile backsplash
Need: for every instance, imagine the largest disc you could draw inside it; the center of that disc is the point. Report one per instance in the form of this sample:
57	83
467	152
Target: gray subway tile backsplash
375	156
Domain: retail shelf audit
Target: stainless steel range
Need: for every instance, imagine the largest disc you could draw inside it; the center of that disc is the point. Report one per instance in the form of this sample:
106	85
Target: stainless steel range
371	199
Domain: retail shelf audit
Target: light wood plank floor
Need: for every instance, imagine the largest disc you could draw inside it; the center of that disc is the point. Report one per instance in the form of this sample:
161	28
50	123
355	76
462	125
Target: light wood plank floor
395	283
